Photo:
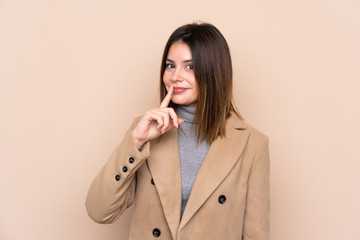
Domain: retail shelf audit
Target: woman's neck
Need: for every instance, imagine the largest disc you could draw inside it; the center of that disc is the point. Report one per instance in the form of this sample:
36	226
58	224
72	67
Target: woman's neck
187	113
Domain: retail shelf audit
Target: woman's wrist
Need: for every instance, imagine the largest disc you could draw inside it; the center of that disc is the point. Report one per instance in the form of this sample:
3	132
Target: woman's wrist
138	143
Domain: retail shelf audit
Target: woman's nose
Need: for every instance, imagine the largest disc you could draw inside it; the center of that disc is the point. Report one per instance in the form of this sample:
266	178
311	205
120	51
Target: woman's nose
177	75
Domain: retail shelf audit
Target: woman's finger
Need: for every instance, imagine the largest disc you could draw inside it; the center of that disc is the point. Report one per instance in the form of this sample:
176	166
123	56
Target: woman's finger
164	113
172	114
166	120
171	125
153	115
167	98
174	117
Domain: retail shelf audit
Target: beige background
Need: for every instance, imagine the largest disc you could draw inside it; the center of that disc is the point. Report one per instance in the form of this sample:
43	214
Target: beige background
74	73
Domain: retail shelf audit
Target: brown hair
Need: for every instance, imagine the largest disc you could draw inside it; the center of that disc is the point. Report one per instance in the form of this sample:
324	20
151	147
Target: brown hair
213	73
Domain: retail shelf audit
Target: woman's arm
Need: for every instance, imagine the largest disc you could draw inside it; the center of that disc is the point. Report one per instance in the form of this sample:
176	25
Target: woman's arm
113	189
256	223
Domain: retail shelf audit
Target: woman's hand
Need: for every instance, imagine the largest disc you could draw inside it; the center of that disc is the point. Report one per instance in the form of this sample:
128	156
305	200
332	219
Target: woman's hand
156	122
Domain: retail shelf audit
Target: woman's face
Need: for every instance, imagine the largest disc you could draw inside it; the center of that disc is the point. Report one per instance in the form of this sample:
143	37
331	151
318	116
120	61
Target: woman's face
179	73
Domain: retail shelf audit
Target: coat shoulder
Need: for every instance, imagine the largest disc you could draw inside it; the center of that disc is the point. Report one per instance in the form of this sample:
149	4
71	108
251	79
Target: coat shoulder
257	134
241	125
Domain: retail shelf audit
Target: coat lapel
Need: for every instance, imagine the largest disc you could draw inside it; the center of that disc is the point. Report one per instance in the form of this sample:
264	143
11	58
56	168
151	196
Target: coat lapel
165	169
220	159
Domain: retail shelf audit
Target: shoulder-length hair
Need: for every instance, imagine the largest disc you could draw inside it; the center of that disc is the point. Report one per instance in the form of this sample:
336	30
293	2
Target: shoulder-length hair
213	73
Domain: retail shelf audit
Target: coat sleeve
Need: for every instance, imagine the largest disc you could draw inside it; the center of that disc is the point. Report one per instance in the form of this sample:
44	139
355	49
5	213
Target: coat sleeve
113	189
256	222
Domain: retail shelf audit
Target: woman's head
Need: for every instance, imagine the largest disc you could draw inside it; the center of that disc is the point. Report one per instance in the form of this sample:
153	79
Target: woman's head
179	73
202	66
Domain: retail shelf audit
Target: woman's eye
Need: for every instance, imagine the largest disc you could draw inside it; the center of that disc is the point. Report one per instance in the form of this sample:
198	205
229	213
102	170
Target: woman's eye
190	66
170	66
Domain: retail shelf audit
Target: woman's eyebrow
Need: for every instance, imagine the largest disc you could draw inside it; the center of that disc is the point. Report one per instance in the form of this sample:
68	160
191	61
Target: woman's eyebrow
172	61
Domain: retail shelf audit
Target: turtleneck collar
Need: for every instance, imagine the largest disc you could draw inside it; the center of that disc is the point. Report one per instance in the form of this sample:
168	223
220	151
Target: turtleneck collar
187	113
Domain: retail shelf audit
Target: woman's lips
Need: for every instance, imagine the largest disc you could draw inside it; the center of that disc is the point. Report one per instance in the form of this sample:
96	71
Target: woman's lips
179	89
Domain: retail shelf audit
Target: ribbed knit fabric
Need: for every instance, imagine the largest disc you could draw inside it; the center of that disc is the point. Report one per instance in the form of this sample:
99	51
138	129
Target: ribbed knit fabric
191	153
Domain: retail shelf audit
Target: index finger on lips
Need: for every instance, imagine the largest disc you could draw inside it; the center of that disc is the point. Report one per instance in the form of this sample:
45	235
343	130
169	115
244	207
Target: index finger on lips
167	98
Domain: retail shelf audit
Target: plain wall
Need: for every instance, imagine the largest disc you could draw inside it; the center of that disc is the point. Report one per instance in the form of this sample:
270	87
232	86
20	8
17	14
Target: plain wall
73	75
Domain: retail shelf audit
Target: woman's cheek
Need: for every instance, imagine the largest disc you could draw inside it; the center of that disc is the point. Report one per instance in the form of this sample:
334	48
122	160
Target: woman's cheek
166	81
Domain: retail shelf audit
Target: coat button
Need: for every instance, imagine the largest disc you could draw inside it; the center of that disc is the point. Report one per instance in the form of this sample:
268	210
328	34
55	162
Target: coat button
222	199
125	169
152	181
131	160
117	177
156	232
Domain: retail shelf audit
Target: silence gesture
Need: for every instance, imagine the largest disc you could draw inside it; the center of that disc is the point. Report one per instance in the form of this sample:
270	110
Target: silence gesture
156	122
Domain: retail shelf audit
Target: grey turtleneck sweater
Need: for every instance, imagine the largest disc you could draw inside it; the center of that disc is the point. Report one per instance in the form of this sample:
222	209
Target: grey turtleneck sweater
191	153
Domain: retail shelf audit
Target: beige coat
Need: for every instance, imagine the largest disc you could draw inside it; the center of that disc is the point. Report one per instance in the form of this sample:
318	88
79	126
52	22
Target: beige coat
229	199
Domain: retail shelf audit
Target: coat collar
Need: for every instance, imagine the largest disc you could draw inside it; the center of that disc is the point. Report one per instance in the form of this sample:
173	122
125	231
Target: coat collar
165	169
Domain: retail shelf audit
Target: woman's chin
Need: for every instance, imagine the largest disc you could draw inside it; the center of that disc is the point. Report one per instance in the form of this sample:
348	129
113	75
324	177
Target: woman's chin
184	103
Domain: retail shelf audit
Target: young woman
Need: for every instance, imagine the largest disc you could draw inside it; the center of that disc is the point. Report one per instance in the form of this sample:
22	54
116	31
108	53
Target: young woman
192	167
